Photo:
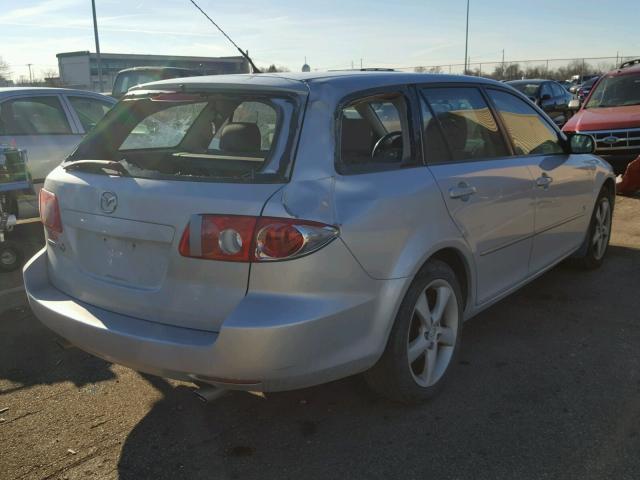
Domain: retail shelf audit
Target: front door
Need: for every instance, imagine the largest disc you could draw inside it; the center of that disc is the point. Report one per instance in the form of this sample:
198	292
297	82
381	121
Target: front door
563	182
488	192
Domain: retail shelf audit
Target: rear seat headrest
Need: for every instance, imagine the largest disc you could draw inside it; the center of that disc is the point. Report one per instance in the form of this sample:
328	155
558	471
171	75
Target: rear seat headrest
240	137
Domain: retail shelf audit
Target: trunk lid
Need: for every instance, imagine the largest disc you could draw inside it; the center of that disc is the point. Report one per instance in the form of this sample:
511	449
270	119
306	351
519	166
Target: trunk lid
119	247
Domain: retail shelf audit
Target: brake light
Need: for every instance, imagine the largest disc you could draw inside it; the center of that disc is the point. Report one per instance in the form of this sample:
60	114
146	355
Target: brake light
50	212
238	238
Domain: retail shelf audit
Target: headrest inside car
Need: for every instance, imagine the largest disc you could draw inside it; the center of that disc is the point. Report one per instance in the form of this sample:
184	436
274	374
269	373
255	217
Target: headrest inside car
240	137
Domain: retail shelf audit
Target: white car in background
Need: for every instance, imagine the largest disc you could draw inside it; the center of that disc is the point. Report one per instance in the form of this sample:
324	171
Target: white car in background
48	123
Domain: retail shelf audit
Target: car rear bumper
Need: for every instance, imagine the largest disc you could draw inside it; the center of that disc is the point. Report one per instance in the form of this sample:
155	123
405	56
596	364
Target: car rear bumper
270	342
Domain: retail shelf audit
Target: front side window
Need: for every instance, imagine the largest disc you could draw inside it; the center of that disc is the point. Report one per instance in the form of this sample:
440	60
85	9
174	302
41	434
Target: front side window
467	123
375	134
215	136
33	116
529	132
89	110
619	91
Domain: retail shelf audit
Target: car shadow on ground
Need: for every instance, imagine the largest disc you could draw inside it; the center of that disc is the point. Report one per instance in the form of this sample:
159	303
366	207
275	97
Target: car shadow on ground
524	389
30	354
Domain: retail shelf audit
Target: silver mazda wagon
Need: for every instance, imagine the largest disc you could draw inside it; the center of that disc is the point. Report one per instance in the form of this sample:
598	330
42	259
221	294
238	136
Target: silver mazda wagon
272	232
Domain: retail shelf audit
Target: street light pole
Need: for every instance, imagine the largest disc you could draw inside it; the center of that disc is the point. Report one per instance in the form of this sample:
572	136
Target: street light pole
95	33
466	43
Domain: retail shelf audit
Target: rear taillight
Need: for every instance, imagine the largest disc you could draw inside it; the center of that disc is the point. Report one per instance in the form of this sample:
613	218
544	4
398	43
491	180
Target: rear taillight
238	238
50	212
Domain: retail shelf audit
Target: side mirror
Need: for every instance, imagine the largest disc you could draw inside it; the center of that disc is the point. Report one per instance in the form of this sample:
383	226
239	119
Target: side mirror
581	143
574	104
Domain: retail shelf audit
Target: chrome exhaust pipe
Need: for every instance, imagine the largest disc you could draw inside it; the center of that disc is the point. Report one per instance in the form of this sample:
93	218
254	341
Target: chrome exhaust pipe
209	393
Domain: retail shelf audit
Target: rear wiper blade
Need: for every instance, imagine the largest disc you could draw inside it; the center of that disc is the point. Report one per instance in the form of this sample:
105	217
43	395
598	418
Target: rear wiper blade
104	165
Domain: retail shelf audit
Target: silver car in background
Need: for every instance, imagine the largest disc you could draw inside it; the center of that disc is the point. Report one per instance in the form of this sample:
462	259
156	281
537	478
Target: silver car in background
266	232
48	122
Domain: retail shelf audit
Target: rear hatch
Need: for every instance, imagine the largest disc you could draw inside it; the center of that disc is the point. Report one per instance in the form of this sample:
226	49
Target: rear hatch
177	157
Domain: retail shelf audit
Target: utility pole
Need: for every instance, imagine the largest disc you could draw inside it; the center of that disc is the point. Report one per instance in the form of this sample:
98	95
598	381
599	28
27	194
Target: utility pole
466	42
95	33
30	76
360	64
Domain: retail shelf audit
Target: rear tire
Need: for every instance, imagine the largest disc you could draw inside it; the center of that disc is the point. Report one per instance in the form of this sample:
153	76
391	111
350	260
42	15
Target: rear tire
10	256
599	234
424	340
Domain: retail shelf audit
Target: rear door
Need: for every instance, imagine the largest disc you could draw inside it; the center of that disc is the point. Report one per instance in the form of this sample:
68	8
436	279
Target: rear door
489	193
87	111
42	125
563	182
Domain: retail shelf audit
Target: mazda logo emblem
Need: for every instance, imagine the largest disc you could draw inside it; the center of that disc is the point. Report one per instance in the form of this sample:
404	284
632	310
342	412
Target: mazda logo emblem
108	202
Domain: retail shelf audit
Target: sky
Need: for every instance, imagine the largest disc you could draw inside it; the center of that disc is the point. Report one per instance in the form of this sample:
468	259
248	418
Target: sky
330	33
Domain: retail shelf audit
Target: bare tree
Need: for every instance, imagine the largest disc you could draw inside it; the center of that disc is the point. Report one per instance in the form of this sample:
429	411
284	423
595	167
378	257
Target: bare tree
5	71
273	69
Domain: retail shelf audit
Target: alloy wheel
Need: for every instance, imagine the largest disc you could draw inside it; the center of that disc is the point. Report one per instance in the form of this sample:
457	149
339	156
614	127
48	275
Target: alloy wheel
432	333
602	228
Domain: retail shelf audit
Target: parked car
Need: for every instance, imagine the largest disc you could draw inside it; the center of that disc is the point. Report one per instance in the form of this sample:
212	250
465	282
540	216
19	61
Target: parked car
339	243
130	77
48	123
585	88
611	114
578	80
566	85
548	95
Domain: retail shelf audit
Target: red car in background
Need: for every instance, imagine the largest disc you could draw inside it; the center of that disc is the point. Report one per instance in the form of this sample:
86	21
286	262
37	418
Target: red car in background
611	114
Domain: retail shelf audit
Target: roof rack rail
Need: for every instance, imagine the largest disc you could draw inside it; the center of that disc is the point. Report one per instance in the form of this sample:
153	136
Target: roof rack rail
630	63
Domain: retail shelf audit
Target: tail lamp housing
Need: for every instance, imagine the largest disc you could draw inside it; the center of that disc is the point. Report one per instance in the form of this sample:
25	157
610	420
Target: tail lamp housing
237	238
50	213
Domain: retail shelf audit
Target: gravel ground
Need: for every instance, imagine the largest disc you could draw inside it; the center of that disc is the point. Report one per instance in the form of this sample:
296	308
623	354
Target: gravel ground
547	386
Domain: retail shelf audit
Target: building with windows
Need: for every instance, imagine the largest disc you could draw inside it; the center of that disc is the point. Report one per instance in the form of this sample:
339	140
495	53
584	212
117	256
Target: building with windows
80	69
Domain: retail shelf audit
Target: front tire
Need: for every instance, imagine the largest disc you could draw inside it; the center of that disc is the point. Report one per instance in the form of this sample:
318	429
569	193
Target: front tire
424	340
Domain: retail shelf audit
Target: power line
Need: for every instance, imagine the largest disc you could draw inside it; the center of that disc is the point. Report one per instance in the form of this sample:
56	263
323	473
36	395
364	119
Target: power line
242	52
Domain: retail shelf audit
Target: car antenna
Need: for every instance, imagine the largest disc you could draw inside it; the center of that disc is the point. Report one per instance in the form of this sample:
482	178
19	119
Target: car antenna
242	52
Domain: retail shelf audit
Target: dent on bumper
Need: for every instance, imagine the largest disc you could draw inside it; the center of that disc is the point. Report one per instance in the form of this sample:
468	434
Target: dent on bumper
302	344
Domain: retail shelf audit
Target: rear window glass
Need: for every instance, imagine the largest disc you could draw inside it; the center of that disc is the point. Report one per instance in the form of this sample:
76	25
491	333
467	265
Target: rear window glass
196	137
165	128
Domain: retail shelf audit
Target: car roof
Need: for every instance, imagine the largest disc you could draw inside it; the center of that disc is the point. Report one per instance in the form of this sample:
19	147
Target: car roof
632	70
10	91
301	82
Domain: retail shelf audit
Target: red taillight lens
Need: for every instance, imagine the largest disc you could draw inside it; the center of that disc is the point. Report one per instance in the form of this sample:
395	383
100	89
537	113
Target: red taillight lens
277	240
218	237
50	212
243	239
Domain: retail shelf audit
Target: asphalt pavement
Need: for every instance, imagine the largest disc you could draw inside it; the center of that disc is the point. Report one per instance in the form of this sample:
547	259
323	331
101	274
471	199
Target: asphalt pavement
547	387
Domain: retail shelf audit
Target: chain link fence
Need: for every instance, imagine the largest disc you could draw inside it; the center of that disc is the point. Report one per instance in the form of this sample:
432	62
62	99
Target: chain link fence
556	69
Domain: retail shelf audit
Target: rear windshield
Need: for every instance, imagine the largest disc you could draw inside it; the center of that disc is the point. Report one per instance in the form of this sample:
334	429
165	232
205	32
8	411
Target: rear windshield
529	89
619	91
196	137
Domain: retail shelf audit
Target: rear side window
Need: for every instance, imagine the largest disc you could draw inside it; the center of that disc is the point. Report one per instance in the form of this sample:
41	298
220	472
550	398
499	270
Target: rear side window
165	128
558	91
529	132
33	116
375	134
467	123
89	110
